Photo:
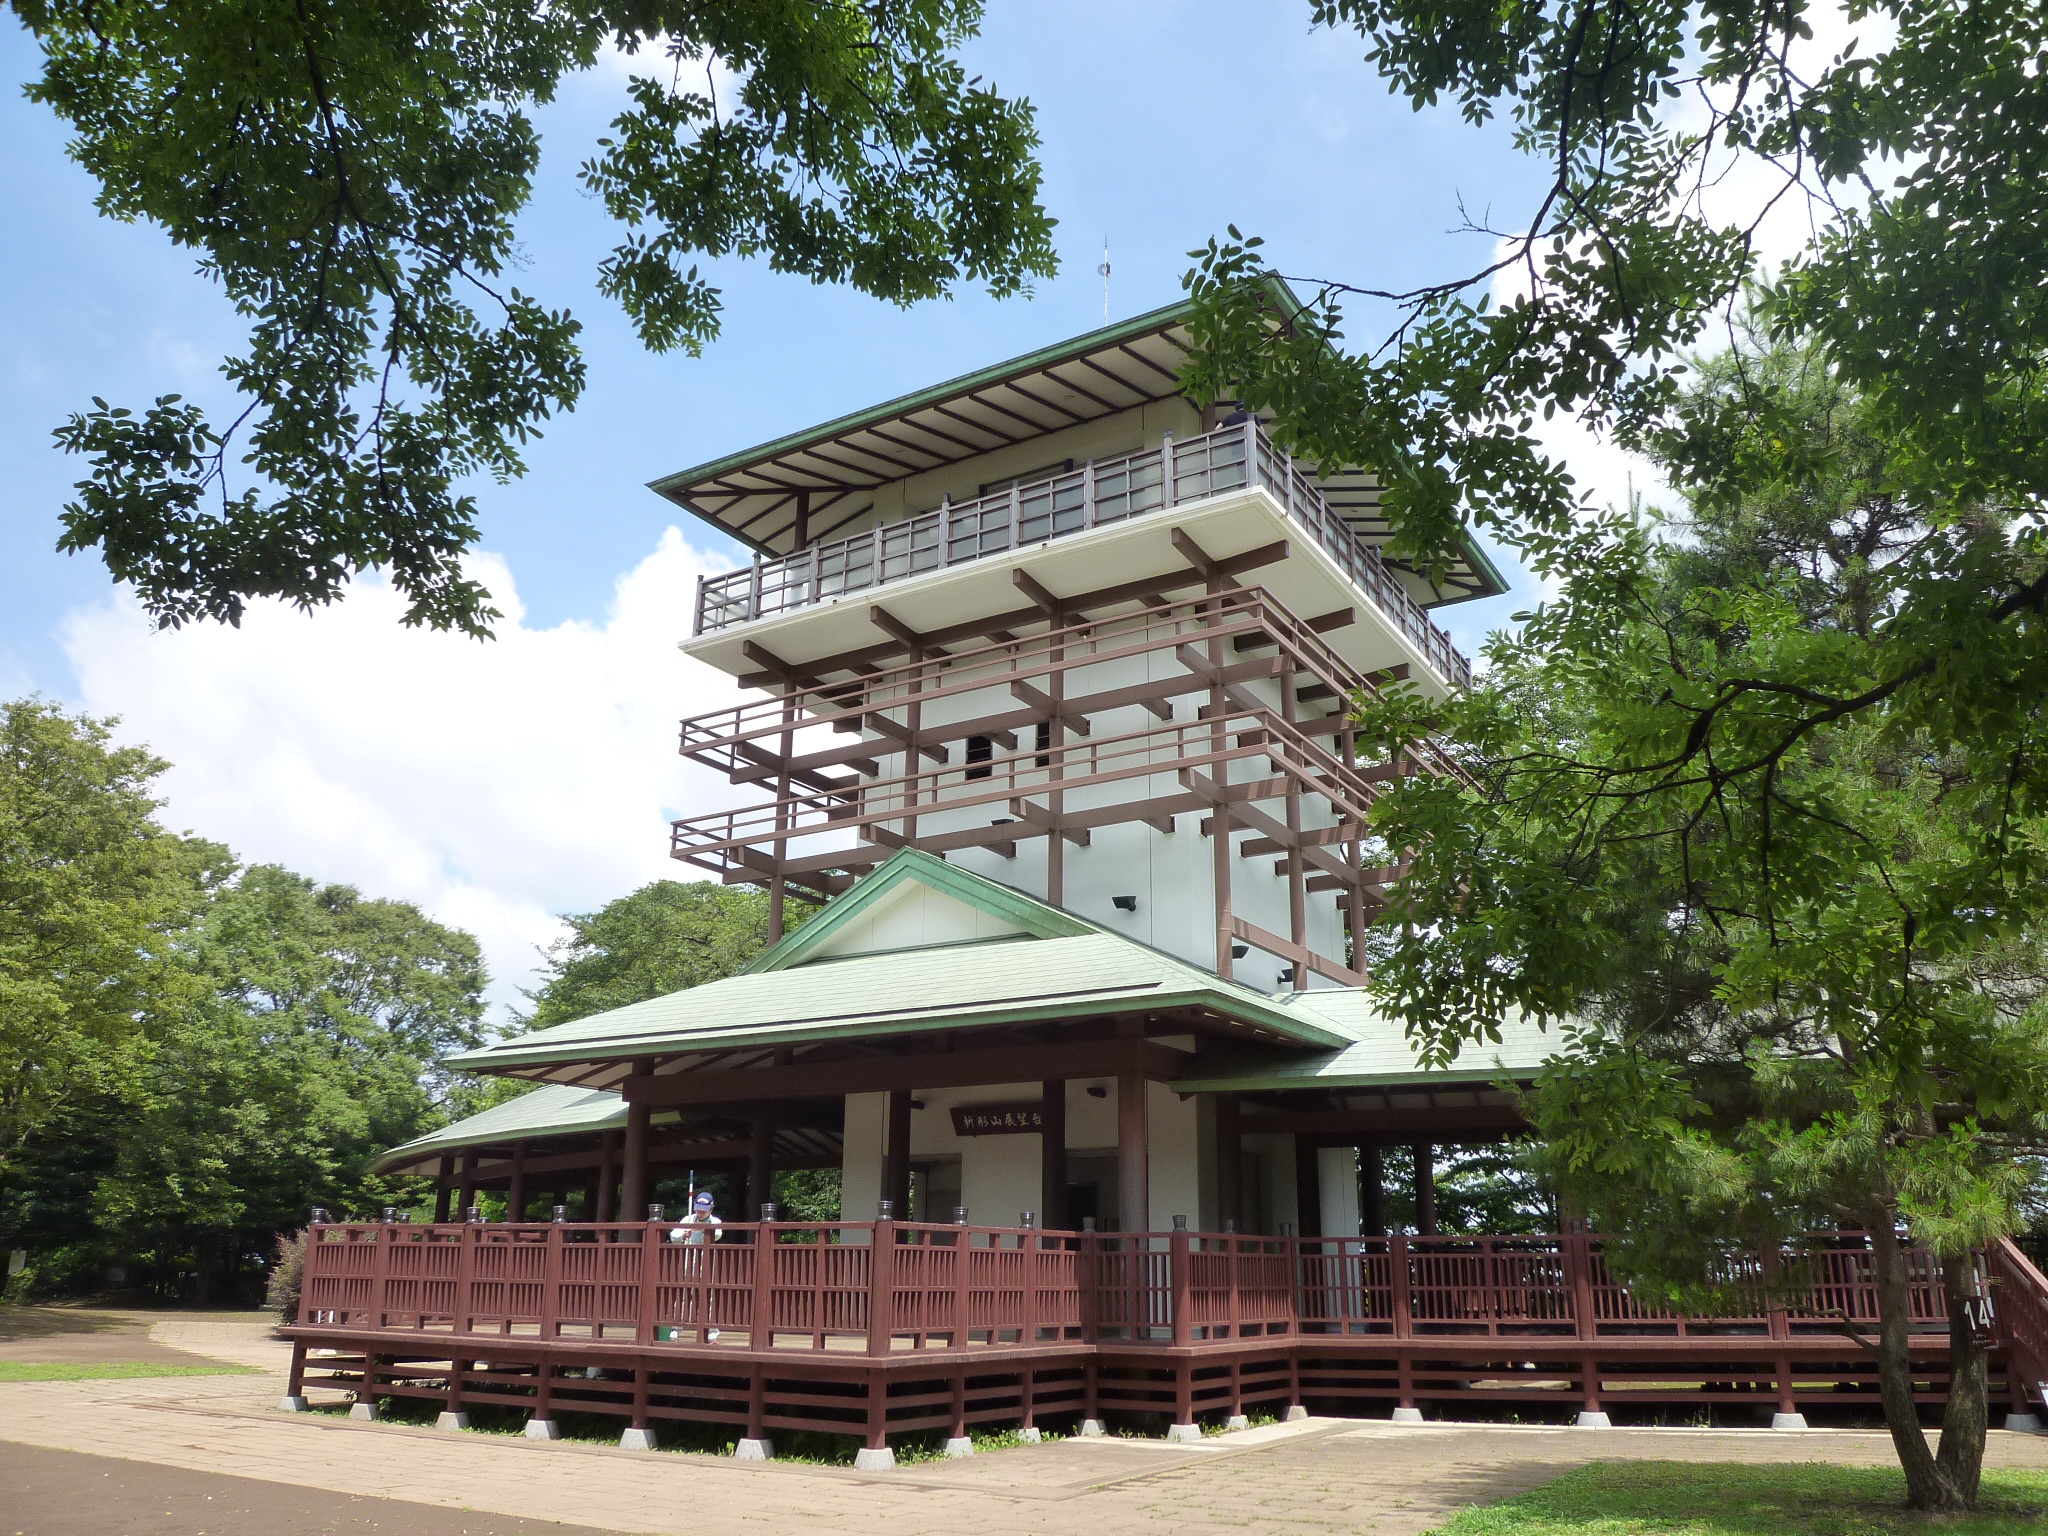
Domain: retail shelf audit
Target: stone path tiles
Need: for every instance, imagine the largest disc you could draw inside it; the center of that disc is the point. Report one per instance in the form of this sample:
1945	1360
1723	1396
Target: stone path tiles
1317	1478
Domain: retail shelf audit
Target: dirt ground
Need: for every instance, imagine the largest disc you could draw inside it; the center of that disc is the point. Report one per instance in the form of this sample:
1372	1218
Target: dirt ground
214	1456
63	1493
86	1336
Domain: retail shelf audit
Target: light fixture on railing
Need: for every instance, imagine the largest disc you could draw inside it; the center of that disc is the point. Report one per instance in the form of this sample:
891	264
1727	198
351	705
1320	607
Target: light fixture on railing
476	1213
653	1212
959	1215
561	1213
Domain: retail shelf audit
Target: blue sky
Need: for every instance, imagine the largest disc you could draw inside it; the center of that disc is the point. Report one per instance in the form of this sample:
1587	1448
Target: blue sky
1163	123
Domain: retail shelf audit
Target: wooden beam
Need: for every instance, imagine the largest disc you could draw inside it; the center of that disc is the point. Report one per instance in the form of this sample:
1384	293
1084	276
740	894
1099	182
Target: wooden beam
1389	1127
950	1069
1297	954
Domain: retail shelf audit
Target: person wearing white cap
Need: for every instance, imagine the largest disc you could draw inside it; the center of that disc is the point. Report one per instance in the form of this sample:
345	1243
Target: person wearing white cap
701	1223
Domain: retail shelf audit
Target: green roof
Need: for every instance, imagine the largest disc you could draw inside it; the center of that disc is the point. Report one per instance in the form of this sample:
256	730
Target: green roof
1377	1054
554	1109
1057	965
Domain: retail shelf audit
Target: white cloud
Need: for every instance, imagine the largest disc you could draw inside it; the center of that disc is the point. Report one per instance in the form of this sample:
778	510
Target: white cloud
496	784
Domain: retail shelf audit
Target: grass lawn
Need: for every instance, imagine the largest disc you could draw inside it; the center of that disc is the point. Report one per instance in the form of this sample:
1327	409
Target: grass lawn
1666	1498
109	1370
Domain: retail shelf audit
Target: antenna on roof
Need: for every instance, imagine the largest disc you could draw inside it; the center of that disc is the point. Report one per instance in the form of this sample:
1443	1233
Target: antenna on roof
1104	270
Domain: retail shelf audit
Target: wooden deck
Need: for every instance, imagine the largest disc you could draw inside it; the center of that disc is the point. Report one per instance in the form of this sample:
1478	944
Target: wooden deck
882	1328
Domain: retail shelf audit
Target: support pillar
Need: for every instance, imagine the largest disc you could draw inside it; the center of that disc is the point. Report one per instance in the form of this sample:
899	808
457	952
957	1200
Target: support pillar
444	1180
467	1191
515	1194
1308	1186
639	1435
1425	1190
1372	1192
760	1170
896	1169
633	1190
1052	1156
1133	1175
294	1399
1229	1163
608	1176
542	1425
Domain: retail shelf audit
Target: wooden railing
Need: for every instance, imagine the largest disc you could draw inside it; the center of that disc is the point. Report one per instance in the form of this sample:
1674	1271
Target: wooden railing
1099	493
2020	1311
880	1287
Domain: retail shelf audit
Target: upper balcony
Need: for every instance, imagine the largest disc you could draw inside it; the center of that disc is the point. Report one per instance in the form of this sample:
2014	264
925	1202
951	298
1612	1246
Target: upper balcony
1175	476
1051	472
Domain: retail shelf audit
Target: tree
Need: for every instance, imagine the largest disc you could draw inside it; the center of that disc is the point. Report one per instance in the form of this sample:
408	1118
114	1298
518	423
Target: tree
668	935
1924	292
312	1043
190	1054
1795	925
90	890
351	175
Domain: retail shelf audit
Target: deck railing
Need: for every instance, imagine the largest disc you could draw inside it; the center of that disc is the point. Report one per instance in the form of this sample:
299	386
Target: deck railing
1097	494
882	1287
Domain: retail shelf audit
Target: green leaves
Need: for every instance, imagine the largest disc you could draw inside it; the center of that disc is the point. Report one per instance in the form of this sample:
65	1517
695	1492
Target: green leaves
352	177
666	936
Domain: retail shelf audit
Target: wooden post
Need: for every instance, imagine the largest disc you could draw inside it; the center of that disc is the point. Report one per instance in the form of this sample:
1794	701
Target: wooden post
608	1176
1308	1185
633	1193
763	1331
443	1188
896	1168
881	1304
1181	1287
1052	1154
1133	1183
515	1194
1425	1189
760	1170
1229	1163
468	1189
544	1392
1372	1182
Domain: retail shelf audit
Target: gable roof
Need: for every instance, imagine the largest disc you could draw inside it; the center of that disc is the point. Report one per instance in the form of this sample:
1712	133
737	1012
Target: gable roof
1061	966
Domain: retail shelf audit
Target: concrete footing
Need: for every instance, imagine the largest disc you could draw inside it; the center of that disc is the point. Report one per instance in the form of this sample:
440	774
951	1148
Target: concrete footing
874	1458
1093	1427
543	1429
1407	1415
2023	1423
1593	1418
452	1421
1788	1421
1295	1414
754	1450
1237	1421
366	1411
1031	1434
1183	1432
294	1405
636	1439
960	1445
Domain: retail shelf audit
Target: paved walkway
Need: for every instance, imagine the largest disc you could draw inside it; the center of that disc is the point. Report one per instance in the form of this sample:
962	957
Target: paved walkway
1322	1476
